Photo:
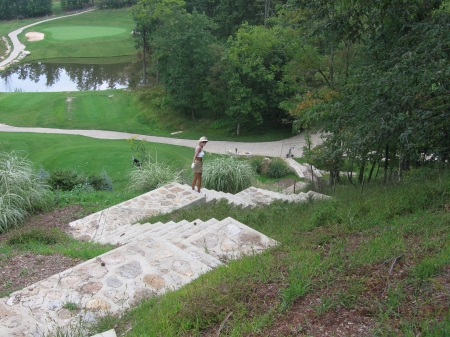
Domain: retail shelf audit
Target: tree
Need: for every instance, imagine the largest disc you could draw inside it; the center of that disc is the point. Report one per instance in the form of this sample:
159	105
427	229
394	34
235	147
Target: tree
185	56
149	16
256	58
395	106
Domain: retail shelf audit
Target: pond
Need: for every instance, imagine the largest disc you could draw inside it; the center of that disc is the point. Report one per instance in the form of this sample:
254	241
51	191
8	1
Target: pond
45	77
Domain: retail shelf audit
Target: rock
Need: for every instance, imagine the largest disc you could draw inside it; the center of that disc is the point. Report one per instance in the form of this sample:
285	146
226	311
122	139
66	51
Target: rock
265	165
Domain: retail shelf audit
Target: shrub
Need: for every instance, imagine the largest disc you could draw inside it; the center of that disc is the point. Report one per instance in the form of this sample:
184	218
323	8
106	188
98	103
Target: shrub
152	174
278	168
228	174
222	124
65	180
255	162
21	190
101	182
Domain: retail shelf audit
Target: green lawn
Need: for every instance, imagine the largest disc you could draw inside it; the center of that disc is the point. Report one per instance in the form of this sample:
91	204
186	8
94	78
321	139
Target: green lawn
77	110
125	111
78	37
88	155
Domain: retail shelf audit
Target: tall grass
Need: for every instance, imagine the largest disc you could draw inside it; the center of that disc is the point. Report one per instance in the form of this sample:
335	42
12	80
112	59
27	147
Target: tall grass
21	190
152	174
228	174
278	168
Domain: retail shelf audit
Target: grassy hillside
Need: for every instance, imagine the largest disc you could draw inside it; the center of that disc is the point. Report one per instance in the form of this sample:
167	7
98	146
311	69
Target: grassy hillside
374	264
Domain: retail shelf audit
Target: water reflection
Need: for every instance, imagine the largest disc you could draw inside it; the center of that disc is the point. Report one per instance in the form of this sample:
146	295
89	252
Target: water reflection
44	77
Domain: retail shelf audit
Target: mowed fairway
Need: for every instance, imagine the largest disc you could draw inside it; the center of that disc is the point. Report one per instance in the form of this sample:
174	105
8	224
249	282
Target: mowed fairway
95	34
88	155
65	33
113	110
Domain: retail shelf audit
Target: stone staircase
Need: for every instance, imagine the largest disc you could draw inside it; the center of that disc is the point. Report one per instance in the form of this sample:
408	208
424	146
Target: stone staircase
303	170
150	259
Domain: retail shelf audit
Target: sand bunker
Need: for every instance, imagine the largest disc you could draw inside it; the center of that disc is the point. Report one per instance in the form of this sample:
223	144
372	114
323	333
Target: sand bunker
34	36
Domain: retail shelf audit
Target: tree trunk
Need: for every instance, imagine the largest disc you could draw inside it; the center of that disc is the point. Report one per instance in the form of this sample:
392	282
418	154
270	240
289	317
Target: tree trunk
386	163
266	12
238	128
332	66
193	116
371	171
361	170
144	63
157	71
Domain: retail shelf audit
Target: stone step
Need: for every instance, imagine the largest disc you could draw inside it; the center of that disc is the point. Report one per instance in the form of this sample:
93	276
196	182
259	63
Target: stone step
134	232
109	283
303	170
265	197
169	227
228	239
236	201
162	200
118	231
197	225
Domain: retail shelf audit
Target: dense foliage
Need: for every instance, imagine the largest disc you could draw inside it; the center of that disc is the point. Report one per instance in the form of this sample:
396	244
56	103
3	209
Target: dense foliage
115	3
374	76
19	9
21	190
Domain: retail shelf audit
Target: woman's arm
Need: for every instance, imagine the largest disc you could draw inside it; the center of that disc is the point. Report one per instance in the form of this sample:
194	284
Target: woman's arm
197	151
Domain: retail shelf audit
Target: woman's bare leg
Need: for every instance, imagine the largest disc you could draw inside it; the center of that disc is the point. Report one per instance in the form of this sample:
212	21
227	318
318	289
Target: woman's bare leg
194	181
199	182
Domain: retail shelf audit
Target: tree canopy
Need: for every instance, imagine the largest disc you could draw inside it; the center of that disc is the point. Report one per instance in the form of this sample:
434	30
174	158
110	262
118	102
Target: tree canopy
372	76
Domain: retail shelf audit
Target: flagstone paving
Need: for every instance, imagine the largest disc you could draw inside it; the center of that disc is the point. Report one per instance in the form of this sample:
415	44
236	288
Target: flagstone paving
151	259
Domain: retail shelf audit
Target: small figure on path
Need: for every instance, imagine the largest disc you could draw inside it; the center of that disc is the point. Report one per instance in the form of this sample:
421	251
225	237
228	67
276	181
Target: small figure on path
197	164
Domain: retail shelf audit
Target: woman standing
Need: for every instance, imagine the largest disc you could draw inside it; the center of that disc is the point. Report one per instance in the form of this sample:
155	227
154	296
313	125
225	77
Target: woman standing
197	164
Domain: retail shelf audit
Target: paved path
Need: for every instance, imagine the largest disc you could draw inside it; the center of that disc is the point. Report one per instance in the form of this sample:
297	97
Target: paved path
272	149
18	47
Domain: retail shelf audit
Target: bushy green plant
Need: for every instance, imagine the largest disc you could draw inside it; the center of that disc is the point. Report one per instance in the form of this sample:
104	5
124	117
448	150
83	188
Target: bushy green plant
256	162
100	182
64	180
227	174
152	174
278	168
21	190
222	124
67	180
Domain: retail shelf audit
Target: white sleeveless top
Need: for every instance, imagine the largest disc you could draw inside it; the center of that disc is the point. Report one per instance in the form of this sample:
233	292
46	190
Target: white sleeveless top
201	153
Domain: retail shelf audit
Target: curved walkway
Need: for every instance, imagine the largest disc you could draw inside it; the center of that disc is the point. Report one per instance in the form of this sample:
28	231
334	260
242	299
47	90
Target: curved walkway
18	47
272	149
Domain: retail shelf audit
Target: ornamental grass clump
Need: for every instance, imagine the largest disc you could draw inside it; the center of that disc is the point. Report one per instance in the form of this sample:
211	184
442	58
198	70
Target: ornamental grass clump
151	175
21	190
256	162
278	168
227	174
